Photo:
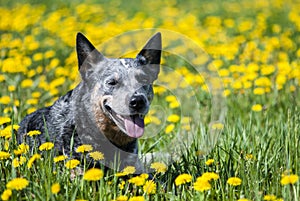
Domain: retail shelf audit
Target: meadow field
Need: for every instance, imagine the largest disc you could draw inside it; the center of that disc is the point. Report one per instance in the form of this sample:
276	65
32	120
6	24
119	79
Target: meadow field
226	106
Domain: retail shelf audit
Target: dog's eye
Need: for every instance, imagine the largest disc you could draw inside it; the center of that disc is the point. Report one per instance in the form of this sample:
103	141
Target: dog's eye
112	82
142	60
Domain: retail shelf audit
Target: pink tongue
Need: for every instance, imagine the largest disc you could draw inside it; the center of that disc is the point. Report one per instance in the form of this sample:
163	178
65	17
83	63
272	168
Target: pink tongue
134	126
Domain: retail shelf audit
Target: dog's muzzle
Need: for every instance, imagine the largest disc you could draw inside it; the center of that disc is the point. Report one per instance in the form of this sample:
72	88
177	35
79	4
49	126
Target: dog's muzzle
133	124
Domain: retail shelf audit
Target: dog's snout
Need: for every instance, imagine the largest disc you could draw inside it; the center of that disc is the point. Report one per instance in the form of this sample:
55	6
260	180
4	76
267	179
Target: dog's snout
137	102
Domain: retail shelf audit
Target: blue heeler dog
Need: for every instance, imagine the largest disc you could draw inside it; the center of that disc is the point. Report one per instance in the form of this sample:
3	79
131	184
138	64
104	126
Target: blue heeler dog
106	109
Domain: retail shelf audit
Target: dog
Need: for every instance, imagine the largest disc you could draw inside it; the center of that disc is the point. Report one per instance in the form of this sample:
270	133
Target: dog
106	109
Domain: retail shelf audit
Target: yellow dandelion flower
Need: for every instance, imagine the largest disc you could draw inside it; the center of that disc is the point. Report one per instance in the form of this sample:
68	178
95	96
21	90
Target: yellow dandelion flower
249	157
269	197
27	83
49	54
144	175
2	78
152	119
93	174
17	184
259	91
96	155
31	110
186	120
5	100
32	101
292	88
6	133
84	148
33	158
217	126
237	85
7	110
209	162
36	94
121	185
183	179
280	79
174	104
234	181
55	188
138	180
38	56
267	69
149	187
226	92
34	133
201	184
170	98
46	146
18	161
126	171
159	90
57	82
14	127
31	73
22	149
71	164
59	158
257	108
186	127
137	198
223	72
4	155
159	167
81	200
147	119
173	118
121	198
54	91
6	145
289	179
129	169
6	194
243	199
247	84
169	128
11	88
4	120
210	175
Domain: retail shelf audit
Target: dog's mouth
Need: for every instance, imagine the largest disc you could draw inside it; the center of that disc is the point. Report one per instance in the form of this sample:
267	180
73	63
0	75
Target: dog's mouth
132	125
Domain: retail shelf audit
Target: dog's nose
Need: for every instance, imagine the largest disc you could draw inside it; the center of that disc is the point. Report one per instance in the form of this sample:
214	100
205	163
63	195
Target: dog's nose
137	102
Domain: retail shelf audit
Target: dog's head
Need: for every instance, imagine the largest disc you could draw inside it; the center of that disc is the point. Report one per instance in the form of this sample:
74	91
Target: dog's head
121	88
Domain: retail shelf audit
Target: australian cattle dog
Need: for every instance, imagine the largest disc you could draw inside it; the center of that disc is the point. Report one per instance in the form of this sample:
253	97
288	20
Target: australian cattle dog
106	109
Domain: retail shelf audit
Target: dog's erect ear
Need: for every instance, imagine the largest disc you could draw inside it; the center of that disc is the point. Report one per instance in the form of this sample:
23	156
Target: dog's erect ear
85	50
151	51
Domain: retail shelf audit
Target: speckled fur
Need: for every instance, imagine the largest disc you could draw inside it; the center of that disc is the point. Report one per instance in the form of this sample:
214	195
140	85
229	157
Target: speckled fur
79	115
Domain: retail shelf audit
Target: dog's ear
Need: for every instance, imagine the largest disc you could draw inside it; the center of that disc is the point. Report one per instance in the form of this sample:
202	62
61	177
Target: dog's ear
85	50
151	52
149	60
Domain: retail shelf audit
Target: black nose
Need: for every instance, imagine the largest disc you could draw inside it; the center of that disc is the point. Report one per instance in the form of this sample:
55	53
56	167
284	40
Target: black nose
137	102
